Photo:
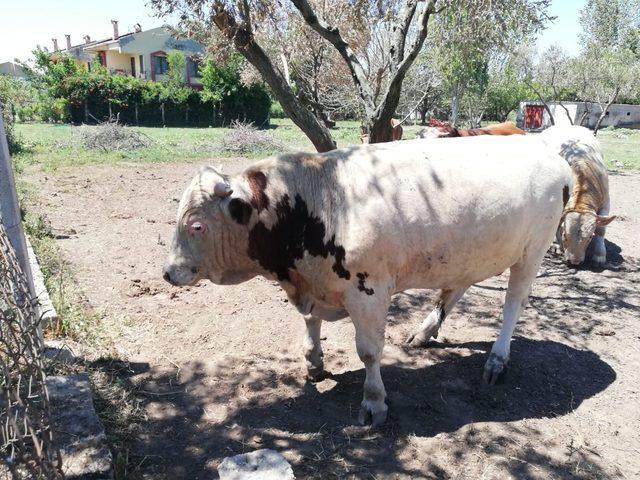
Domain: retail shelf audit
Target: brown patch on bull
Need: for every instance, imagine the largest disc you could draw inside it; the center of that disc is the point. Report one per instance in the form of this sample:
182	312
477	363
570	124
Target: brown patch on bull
315	161
258	184
296	287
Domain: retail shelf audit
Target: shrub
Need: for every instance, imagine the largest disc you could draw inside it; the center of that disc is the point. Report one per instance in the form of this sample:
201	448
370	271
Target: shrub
81	96
276	111
109	136
245	138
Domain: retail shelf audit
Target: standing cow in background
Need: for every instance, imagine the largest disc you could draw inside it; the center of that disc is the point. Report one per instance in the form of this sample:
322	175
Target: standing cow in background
586	214
343	231
396	133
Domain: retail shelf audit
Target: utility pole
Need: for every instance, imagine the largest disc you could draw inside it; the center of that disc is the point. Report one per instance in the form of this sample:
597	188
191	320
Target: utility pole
10	211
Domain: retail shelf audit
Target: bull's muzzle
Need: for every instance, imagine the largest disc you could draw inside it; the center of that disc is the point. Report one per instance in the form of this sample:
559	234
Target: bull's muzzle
179	276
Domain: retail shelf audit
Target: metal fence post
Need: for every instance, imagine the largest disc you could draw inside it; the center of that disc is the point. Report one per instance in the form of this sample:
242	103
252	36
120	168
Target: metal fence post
10	211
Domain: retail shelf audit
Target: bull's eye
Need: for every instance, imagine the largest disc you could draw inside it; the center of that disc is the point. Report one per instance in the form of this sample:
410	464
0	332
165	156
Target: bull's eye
196	228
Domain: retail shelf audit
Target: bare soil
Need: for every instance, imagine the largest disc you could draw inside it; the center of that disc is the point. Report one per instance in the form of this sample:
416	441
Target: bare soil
217	371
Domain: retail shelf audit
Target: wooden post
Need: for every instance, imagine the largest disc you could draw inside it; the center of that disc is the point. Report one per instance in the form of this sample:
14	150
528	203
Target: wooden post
10	211
136	111
162	112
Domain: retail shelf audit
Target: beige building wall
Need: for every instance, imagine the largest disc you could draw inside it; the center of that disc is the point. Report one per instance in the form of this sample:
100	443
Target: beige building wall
118	61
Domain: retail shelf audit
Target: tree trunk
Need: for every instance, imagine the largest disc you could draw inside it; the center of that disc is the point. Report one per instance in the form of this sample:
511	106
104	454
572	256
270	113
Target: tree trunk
86	111
455	105
612	99
585	114
423	116
566	110
136	113
162	113
245	42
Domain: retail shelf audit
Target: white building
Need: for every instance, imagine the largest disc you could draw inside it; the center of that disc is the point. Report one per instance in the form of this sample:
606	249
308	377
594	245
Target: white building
533	115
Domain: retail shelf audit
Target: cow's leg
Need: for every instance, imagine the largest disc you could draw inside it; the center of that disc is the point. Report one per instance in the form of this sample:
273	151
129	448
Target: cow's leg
368	314
599	257
312	349
431	325
520	279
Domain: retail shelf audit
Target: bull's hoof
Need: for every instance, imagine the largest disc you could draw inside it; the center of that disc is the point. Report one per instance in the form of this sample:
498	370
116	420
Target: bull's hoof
420	338
599	260
315	375
374	412
494	369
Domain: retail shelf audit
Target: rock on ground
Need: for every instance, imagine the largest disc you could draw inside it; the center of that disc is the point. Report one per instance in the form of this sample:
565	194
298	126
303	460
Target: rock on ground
77	429
262	464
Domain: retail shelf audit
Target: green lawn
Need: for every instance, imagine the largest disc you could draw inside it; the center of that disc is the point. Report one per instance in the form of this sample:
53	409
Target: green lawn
49	146
621	148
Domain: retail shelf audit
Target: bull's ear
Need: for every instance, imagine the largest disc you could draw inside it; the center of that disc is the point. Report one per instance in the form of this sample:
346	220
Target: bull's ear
240	211
602	221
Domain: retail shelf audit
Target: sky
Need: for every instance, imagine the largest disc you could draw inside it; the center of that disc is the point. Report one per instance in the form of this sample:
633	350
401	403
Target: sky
27	23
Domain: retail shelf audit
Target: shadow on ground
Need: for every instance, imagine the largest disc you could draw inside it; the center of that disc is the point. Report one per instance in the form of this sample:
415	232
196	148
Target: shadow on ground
183	438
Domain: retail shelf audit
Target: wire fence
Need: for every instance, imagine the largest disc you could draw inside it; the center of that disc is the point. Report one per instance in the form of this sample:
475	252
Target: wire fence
27	449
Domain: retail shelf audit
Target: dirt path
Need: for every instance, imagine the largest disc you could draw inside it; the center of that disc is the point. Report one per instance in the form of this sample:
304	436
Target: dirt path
217	370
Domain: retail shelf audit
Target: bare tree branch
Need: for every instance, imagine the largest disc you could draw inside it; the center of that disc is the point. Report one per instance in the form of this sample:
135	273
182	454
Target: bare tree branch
332	35
244	41
401	29
392	96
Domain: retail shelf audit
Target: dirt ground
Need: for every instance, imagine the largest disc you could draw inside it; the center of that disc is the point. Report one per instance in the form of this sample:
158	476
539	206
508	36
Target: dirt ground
217	371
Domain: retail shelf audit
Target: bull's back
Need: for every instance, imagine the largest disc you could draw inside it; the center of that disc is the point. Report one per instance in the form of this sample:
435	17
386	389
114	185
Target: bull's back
448	212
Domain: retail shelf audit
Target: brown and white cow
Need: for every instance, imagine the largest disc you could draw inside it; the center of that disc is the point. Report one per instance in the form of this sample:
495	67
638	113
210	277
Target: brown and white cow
344	230
586	214
439	129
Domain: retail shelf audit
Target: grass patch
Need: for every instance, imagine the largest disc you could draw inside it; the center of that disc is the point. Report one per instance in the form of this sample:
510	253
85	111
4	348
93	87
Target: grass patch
74	319
621	148
50	146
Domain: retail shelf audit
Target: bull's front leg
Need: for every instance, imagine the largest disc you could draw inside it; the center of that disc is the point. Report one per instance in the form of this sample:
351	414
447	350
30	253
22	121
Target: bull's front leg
312	349
368	313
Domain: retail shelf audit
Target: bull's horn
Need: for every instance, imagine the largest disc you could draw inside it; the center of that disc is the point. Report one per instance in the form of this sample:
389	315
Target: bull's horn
222	189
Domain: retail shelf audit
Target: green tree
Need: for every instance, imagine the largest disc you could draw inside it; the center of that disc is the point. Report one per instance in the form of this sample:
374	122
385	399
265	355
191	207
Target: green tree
609	66
8	90
251	26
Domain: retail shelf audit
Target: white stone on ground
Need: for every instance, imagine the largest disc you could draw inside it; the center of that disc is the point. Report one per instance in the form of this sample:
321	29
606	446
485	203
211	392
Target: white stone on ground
262	464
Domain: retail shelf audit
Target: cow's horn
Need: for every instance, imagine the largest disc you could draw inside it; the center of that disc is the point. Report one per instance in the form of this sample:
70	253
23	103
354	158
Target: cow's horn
222	189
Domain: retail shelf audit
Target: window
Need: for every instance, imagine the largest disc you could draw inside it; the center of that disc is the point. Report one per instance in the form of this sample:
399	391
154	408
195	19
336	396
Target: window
141	64
193	67
160	65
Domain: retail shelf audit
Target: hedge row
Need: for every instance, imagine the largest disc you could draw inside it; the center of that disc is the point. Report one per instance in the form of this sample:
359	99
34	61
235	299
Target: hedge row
93	95
250	106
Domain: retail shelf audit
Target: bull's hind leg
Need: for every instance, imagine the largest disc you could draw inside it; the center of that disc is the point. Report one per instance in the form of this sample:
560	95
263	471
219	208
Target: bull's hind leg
431	325
520	279
312	349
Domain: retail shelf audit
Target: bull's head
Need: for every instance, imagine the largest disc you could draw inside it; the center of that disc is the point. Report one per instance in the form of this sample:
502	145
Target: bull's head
578	229
211	233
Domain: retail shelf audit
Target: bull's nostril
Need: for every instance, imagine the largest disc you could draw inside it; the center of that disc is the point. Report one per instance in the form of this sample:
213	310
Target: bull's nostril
194	270
167	277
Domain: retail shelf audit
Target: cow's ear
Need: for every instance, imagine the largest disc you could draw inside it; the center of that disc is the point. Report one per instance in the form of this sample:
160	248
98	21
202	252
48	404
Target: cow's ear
602	221
240	210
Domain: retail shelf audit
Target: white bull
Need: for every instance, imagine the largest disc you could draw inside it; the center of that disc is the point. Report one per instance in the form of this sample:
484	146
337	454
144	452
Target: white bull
345	230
